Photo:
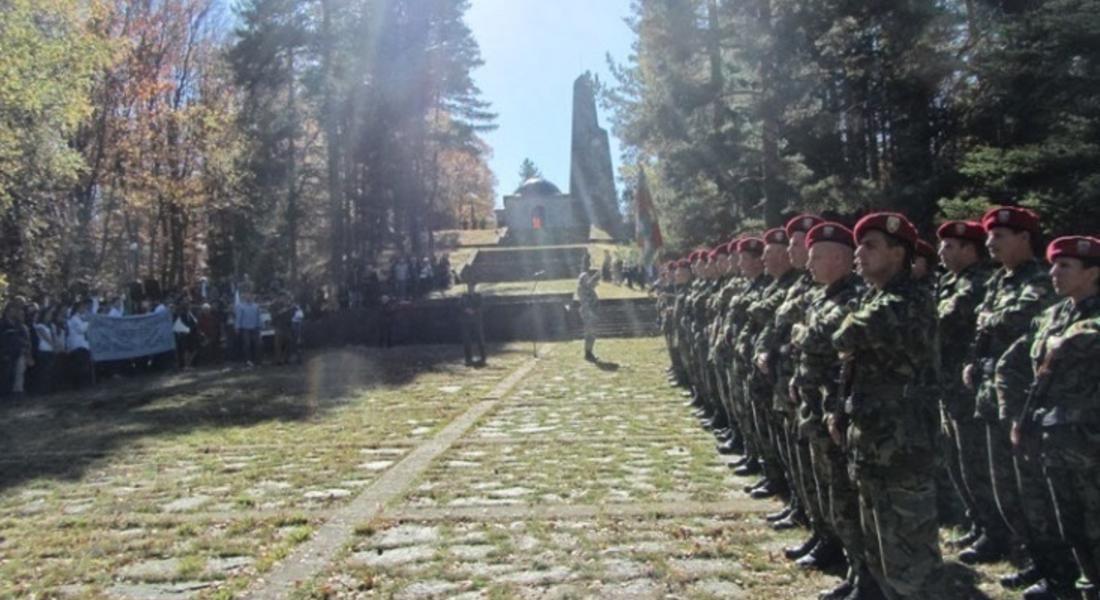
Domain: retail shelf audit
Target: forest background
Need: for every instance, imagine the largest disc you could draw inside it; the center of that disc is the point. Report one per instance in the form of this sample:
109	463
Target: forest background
292	140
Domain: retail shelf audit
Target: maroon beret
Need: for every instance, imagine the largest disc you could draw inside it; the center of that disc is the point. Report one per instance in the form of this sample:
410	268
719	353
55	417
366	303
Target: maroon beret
720	250
671	265
683	263
777	235
731	246
1013	217
963	230
697	255
751	244
928	251
1074	246
803	223
830	232
892	224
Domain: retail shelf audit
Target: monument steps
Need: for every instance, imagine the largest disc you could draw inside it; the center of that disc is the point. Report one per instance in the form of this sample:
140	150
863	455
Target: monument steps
626	318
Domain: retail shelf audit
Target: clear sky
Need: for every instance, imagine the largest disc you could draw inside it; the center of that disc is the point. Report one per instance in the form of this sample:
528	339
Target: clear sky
533	50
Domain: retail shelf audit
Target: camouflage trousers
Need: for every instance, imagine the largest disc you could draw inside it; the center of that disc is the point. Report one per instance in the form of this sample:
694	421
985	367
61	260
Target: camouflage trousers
969	469
758	394
1025	504
837	497
740	410
812	484
897	512
1071	457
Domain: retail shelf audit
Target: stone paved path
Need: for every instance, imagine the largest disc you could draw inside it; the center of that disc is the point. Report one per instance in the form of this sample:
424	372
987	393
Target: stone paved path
369	474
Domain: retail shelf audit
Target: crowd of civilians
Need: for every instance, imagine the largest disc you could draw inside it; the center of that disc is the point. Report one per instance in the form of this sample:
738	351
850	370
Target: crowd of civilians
44	345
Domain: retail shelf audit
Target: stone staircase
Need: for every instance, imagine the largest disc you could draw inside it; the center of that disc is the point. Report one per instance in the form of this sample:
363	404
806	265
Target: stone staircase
626	318
526	264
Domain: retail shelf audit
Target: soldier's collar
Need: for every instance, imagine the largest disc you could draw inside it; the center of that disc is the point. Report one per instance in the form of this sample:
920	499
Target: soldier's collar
1088	307
841	284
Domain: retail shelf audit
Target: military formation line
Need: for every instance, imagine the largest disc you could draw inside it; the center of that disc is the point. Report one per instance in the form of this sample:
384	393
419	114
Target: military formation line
871	393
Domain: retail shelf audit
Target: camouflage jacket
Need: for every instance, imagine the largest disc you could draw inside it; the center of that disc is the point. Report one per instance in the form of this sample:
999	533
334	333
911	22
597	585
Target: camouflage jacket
1049	376
731	289
1011	301
738	314
817	368
761	313
886	344
957	298
774	341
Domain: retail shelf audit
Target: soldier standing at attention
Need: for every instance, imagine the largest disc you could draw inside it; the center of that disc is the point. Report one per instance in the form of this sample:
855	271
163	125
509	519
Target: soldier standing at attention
1018	291
816	387
960	291
473	326
885	345
586	295
1051	375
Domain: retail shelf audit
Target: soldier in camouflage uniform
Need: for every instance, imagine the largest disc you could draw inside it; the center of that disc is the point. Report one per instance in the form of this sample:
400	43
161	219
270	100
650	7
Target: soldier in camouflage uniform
1018	291
885	345
714	416
665	292
759	383
590	302
1047	382
750	251
776	356
685	330
958	294
729	440
815	386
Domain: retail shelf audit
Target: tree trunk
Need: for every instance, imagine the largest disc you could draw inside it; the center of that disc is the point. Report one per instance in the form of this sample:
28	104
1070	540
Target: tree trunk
334	148
292	175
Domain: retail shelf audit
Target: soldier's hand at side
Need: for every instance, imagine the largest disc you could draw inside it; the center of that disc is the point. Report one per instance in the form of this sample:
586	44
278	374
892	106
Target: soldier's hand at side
834	431
968	376
762	363
1016	435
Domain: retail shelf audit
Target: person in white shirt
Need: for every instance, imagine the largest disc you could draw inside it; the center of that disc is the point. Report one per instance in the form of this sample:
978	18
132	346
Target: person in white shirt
50	346
81	368
116	308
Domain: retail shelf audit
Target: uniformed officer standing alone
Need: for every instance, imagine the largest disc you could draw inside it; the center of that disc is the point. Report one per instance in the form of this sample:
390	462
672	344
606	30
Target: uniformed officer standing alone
589	301
473	329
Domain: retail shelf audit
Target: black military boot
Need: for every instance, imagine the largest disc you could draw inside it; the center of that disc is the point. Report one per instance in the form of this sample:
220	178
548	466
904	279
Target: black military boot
985	550
797	552
1044	589
779	516
840	592
752	486
866	588
825	555
1021	579
792	521
967	539
748	469
769	490
744	460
